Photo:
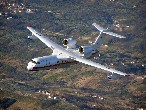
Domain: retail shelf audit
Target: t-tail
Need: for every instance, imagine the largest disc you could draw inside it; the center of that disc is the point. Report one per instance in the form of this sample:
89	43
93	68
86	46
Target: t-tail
87	51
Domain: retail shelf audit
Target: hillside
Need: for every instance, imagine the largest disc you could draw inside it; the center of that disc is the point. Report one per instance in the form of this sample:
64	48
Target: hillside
77	86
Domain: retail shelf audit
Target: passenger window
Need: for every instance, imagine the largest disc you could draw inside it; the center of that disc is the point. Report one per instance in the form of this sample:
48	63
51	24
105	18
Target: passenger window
57	61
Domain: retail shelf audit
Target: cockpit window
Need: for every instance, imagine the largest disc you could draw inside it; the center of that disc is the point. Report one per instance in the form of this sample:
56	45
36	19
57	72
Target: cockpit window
35	62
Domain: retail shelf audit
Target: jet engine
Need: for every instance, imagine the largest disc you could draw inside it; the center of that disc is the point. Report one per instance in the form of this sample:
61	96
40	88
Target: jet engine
86	50
70	43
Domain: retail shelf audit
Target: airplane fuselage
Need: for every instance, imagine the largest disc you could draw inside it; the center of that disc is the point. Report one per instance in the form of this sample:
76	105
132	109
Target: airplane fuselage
47	62
52	61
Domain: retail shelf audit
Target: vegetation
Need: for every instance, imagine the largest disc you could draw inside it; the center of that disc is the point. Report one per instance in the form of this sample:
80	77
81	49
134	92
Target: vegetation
75	86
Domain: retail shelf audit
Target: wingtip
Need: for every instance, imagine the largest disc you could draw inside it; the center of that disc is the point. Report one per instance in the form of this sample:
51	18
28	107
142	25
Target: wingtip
93	24
27	27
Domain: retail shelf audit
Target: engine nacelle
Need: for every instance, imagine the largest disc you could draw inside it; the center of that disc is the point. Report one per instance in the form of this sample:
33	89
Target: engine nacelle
86	50
70	43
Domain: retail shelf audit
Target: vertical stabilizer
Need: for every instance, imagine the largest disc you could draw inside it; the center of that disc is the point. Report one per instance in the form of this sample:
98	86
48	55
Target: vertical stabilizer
99	40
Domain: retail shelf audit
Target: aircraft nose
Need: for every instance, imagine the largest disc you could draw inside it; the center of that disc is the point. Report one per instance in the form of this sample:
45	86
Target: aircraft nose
29	66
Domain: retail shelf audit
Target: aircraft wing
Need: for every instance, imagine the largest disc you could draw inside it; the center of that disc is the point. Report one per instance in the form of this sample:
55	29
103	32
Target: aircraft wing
91	63
44	39
72	55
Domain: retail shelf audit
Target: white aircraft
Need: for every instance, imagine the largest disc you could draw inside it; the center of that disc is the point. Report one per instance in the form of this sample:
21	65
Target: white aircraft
61	56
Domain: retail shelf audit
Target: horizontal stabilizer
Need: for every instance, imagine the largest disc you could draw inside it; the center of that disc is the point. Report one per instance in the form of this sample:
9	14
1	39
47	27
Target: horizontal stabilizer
101	29
114	34
106	31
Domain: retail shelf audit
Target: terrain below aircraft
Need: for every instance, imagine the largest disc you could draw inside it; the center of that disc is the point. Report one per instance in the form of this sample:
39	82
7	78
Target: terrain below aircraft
71	53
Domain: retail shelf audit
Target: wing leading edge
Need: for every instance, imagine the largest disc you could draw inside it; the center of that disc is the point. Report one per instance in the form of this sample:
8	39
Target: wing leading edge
71	55
44	39
91	63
